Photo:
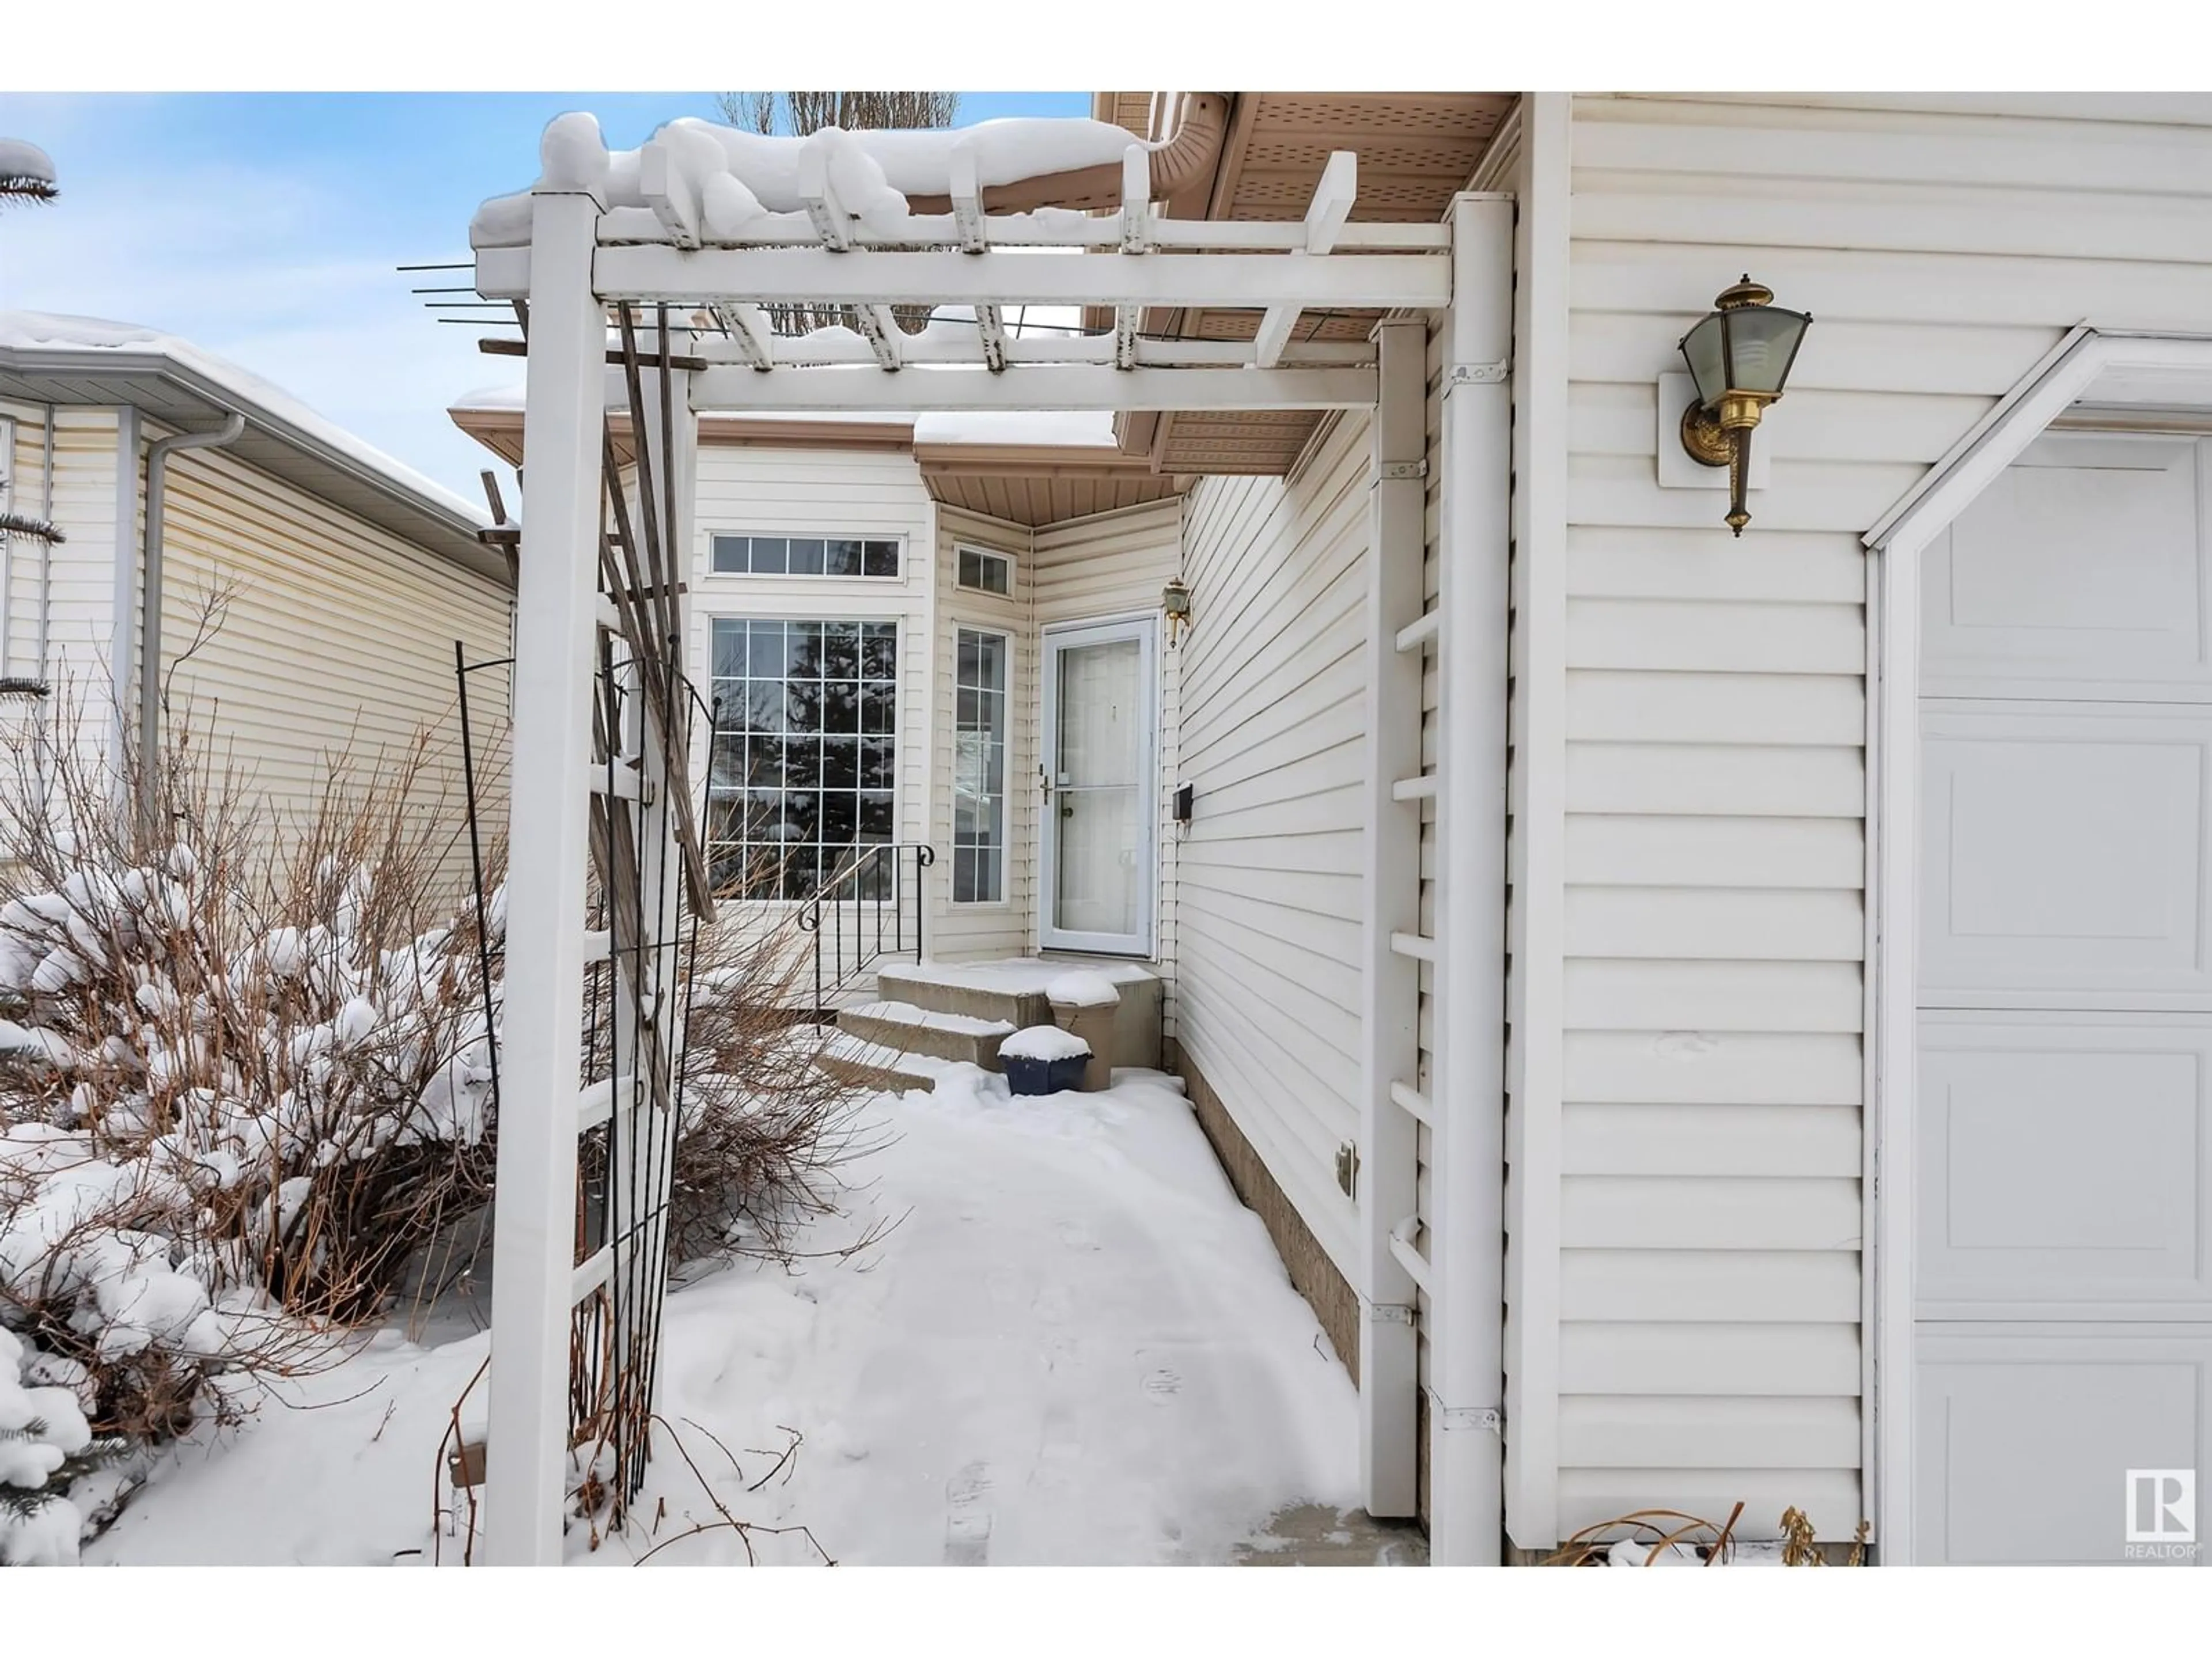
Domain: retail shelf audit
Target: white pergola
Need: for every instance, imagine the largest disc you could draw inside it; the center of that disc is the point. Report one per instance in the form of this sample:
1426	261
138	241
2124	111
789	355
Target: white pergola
689	284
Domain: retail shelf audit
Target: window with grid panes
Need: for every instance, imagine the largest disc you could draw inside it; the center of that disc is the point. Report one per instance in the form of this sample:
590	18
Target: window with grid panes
804	556
805	735
979	768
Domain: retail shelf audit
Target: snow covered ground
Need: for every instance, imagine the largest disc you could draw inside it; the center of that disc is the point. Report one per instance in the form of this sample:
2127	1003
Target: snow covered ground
1075	1347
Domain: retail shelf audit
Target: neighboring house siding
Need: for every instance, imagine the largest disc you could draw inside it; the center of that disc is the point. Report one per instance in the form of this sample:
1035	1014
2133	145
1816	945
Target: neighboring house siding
1712	1148
333	638
1268	887
1008	928
747	489
1115	564
81	582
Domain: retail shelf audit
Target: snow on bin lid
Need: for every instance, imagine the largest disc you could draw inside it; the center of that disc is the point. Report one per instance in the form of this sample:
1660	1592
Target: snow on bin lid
1045	1042
1082	991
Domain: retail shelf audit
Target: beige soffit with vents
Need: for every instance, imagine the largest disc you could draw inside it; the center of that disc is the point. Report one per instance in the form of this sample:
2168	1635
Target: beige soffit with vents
1030	484
1416	151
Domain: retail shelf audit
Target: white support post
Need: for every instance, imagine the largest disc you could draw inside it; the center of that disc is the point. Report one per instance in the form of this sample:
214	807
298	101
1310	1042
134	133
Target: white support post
534	1230
1467	1394
1390	1057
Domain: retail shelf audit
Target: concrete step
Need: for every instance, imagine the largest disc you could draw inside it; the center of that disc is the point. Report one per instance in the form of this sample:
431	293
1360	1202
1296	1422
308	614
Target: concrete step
1014	992
908	1029
864	1065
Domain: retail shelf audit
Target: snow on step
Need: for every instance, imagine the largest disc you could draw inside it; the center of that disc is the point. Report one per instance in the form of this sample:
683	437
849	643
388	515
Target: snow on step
906	1013
1014	975
855	1060
1082	990
1014	991
906	1029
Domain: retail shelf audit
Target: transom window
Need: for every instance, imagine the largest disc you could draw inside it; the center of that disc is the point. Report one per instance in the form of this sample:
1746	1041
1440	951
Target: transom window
805	740
979	768
985	571
805	556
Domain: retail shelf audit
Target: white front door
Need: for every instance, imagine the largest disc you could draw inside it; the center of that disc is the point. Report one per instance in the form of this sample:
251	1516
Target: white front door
1098	779
2063	1271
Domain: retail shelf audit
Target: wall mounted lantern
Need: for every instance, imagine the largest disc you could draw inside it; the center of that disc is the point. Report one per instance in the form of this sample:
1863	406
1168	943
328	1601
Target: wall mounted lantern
1175	600
1739	357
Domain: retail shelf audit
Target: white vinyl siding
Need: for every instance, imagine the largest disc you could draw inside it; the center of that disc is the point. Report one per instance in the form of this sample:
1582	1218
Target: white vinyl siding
1268	895
1714	923
748	489
1115	564
80	600
1008	928
337	638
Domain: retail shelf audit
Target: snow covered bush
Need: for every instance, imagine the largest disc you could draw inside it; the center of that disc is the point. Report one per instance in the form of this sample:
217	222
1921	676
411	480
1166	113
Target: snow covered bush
243	1072
767	1139
46	1446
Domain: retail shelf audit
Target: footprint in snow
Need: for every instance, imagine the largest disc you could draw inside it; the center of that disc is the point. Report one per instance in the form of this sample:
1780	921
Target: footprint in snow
967	1522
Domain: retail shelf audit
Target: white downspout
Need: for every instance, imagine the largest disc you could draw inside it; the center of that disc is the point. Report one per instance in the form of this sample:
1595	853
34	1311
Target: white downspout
1467	1394
149	630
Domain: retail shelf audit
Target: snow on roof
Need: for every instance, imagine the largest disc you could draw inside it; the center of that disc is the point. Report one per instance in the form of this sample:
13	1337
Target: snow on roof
1089	429
25	161
1083	430
43	332
743	180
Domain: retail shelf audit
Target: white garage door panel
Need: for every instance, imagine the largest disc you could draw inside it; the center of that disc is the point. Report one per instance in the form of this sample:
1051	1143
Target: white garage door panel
2062	856
2081	572
2023	1442
2065	1160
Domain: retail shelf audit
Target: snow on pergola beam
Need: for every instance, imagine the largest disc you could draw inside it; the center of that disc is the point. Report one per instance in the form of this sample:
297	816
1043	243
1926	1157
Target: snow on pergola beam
1074	387
824	276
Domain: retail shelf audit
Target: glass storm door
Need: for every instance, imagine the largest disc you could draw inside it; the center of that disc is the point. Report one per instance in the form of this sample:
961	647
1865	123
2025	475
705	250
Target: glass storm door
1100	771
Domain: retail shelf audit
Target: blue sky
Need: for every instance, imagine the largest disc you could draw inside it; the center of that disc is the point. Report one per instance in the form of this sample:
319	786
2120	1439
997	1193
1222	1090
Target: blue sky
265	227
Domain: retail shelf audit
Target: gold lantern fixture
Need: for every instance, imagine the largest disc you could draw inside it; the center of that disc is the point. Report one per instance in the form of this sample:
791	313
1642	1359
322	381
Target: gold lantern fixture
1740	356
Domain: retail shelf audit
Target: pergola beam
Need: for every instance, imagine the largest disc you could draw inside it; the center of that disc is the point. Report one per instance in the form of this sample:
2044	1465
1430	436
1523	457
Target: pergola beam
1082	386
1136	200
1325	219
991	326
968	215
839	347
820	276
831	222
749	330
881	330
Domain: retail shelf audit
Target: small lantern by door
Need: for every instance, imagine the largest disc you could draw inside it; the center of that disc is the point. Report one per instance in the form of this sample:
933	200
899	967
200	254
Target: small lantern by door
1740	356
1175	600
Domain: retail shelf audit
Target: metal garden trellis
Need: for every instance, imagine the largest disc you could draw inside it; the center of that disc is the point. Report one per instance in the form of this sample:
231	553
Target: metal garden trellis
602	785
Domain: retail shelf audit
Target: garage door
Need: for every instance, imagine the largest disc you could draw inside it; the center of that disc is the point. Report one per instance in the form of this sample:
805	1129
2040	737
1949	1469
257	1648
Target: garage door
2062	1279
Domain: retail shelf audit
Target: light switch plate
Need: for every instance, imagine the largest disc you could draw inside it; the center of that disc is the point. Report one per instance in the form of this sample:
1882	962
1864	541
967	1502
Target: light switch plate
1676	470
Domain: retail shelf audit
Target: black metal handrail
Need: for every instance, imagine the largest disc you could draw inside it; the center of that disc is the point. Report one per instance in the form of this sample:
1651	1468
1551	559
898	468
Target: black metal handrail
860	915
